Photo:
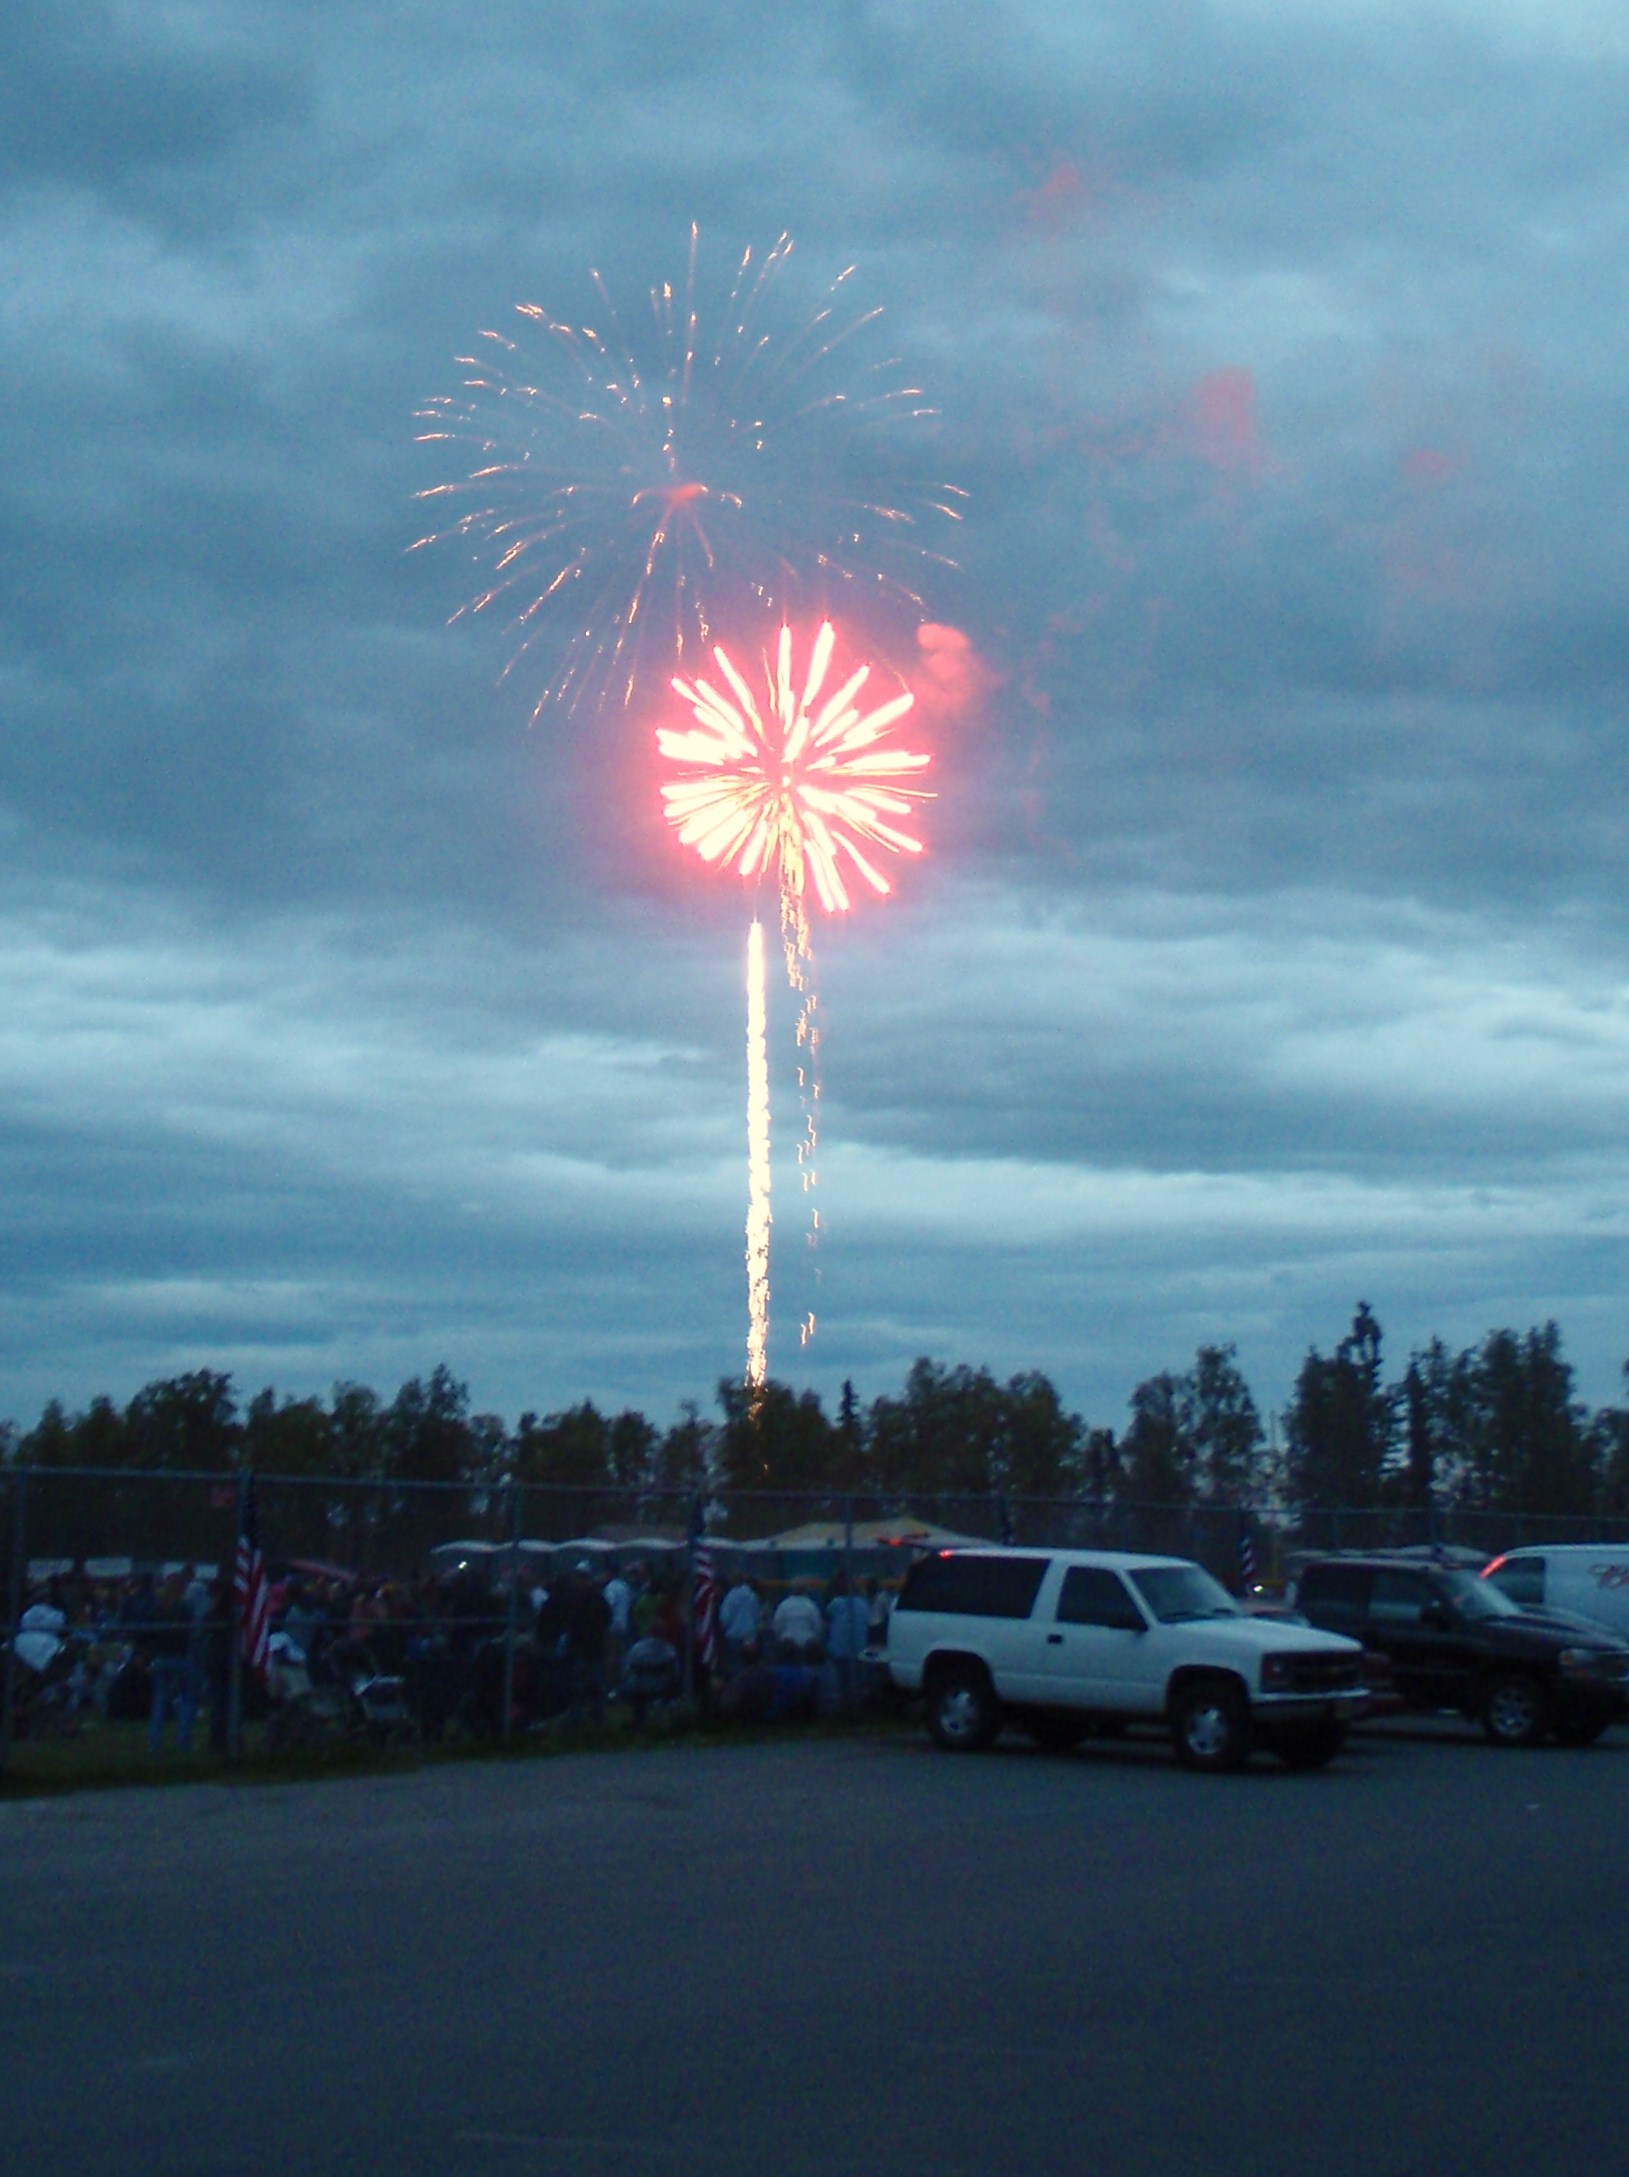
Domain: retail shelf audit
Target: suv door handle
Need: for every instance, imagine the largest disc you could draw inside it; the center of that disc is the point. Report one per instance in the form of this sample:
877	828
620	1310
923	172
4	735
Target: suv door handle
1054	1640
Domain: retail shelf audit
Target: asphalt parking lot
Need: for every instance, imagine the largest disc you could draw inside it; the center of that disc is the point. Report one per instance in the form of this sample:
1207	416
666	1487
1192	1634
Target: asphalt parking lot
831	1956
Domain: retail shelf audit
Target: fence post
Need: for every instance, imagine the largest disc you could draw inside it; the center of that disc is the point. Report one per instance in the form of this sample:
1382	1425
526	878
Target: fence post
697	1514
510	1633
234	1616
851	1688
14	1606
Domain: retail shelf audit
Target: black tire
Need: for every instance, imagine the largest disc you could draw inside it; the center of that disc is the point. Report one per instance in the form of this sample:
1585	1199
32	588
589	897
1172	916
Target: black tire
1512	1711
1210	1726
1055	1731
1310	1746
963	1712
1580	1733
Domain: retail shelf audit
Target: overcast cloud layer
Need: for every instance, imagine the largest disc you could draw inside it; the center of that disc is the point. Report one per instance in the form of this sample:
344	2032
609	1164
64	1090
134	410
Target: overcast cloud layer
1272	952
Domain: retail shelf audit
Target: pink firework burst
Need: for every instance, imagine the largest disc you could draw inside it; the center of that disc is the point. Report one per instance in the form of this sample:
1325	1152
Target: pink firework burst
804	785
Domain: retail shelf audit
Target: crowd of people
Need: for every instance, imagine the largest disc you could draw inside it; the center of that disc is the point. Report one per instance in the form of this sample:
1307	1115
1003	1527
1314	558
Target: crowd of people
437	1653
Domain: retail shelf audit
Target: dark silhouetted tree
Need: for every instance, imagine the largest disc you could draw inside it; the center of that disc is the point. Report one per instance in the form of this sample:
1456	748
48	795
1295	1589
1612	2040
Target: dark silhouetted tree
1530	1451
296	1437
630	1451
779	1440
426	1430
570	1449
1159	1459
1341	1423
1225	1428
183	1421
682	1465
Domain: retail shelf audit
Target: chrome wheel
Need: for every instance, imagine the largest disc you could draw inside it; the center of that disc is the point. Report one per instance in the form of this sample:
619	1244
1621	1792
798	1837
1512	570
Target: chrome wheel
1211	1728
1513	1712
962	1711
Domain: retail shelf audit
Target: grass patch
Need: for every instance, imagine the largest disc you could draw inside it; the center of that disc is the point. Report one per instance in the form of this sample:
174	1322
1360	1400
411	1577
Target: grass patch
113	1756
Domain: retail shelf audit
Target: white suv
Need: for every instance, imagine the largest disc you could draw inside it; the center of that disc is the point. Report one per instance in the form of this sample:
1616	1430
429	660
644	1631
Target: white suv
1065	1642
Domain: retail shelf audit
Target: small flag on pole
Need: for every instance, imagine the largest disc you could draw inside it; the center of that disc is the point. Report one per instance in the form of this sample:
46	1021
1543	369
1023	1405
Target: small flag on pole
249	1588
703	1596
1247	1554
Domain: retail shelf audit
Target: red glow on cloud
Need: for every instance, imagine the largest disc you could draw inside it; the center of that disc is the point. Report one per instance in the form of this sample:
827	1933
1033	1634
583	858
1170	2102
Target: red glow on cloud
954	678
1220	413
1430	465
1060	198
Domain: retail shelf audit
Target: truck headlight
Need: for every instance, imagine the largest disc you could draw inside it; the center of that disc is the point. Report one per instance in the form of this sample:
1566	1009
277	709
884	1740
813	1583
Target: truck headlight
1277	1673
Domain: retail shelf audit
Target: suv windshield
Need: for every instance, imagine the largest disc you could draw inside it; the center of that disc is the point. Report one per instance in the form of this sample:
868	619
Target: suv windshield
1177	1593
1474	1598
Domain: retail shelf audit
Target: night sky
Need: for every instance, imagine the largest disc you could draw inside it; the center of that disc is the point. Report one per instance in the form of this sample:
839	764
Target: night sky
1271	951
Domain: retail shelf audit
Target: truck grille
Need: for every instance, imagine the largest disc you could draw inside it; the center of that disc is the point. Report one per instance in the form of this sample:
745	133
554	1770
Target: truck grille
1325	1673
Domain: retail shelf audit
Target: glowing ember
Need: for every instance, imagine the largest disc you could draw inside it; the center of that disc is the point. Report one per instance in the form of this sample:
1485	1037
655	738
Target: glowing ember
801	787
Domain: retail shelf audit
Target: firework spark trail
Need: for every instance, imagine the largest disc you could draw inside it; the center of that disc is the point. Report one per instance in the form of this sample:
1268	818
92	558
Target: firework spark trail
801	788
758	1164
797	949
624	493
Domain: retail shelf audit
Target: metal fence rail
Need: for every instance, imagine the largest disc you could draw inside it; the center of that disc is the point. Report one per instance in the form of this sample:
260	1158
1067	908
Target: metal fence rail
420	1599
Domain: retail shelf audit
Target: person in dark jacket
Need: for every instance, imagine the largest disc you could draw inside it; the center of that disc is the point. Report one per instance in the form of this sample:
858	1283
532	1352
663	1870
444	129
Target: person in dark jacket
166	1633
587	1637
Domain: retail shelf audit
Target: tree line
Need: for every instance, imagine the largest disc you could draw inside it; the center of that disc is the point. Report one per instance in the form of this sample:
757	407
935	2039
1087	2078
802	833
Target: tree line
1495	1428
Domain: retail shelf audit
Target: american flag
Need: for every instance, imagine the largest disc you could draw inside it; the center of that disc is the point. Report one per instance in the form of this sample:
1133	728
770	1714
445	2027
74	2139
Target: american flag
703	1598
249	1588
1247	1554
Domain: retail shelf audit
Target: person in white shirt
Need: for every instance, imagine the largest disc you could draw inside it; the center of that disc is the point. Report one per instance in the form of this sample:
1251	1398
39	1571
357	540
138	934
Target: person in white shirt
740	1616
798	1626
619	1601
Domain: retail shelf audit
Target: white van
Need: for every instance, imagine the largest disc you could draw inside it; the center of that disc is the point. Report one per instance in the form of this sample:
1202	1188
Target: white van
1588	1579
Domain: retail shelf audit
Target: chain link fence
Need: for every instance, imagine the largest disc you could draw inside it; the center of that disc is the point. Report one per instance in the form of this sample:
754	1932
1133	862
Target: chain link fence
407	1614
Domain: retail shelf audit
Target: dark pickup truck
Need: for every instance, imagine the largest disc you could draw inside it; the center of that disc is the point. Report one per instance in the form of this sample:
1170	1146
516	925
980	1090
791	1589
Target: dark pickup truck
1455	1642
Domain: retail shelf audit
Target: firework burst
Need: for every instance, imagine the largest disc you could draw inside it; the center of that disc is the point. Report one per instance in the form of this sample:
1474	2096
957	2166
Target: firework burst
627	490
797	788
804	790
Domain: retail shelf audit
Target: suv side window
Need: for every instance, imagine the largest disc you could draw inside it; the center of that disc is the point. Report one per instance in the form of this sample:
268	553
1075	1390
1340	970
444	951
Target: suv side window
1522	1579
1335	1596
977	1587
1399	1597
1092	1595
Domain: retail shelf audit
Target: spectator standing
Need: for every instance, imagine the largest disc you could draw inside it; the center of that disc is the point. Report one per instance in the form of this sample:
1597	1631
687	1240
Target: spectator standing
168	1640
219	1632
300	1621
847	1629
195	1598
587	1631
619	1596
798	1627
740	1618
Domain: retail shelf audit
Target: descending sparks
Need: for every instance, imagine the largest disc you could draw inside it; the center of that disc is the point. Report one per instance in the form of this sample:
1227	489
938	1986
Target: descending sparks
803	788
758	1165
625	488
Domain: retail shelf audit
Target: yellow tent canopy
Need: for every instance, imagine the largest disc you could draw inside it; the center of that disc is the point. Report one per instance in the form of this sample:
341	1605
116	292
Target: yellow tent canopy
899	1529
